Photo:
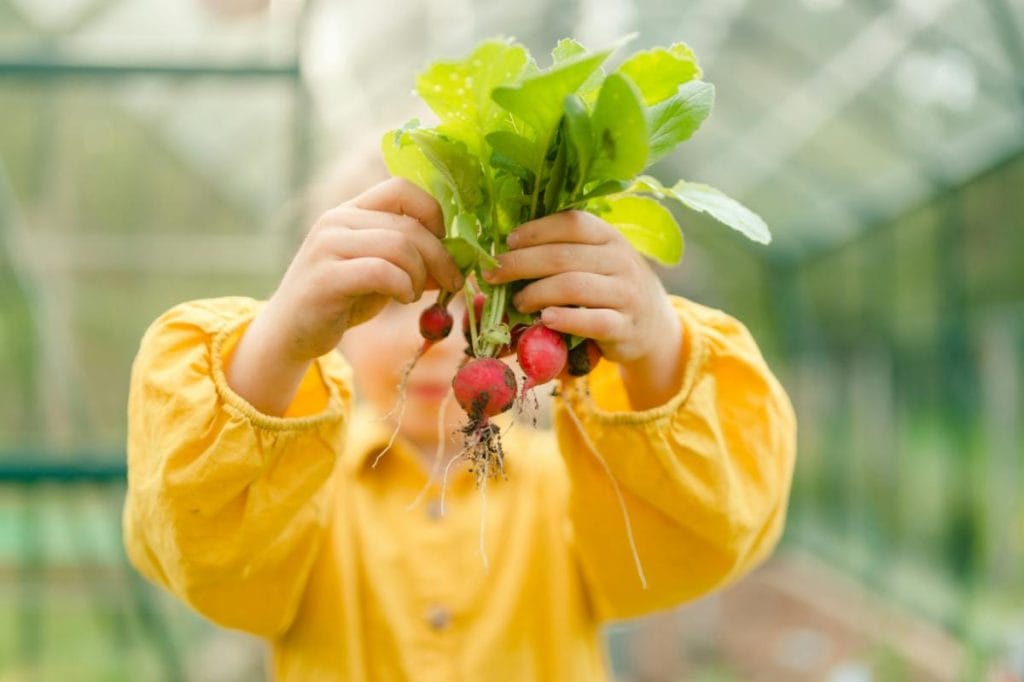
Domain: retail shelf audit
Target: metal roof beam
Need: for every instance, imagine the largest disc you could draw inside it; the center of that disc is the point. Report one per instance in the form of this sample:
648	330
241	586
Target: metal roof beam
30	67
824	94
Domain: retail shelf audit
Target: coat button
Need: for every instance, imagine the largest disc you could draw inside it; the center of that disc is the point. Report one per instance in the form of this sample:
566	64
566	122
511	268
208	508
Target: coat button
438	618
434	510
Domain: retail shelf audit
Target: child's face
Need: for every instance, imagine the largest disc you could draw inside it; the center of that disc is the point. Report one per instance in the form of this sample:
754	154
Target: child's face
379	351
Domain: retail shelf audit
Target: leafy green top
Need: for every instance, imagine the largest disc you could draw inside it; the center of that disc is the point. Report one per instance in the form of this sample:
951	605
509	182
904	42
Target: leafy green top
516	142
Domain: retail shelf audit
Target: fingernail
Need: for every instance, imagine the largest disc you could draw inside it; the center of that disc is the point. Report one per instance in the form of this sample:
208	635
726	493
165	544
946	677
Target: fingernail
488	275
512	240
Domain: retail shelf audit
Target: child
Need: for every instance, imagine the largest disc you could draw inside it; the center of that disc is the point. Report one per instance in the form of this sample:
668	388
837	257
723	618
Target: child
253	495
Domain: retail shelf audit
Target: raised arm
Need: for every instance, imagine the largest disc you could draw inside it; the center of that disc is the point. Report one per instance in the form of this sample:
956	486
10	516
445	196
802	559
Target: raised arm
237	411
705	476
225	503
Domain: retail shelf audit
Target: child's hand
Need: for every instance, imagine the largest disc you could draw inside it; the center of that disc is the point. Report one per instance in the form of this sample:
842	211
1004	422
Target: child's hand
383	244
592	282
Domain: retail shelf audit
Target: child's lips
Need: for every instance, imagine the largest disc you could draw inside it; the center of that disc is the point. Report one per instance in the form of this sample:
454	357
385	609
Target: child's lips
428	391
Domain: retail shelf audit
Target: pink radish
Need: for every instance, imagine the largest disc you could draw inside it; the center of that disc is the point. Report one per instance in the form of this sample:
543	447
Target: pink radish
435	323
484	387
542	355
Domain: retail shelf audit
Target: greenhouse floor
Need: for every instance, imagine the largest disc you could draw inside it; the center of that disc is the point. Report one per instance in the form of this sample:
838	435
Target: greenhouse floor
795	619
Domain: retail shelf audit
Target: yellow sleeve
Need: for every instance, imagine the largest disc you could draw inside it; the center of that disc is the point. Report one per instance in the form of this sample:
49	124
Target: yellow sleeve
705	477
226	505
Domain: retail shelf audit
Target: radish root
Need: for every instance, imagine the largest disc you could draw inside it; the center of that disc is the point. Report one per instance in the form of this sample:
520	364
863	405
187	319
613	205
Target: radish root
439	453
615	486
444	481
399	405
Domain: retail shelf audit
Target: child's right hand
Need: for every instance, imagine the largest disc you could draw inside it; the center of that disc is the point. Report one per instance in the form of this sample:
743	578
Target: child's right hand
383	244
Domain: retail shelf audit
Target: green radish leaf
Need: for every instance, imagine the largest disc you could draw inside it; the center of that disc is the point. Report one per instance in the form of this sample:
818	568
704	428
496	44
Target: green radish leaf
567	49
620	131
516	148
722	208
537	100
515	317
648	184
459	168
404	159
461	251
647	225
707	199
575	340
510	202
459	92
604	189
411	124
556	181
467	228
503	163
659	72
676	119
581	135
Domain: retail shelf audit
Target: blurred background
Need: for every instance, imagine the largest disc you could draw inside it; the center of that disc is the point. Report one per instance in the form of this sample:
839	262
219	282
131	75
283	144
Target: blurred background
152	152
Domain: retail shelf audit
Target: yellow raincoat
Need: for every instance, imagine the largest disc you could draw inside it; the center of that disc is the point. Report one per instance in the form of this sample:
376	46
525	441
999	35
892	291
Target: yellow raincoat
280	527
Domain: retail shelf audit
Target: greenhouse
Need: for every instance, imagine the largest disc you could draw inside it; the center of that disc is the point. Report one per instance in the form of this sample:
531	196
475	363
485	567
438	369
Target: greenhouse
153	153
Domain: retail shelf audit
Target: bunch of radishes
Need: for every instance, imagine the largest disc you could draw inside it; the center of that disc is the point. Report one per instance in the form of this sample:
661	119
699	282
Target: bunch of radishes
486	386
516	142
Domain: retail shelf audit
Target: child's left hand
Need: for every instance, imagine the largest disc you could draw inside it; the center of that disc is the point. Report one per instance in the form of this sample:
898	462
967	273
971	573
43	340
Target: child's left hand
593	283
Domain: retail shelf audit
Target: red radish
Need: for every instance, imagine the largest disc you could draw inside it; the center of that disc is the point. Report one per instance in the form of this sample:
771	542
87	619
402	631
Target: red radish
583	358
435	323
484	387
542	355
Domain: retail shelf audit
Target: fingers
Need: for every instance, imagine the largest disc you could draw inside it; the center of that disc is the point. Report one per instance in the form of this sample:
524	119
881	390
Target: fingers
594	323
534	262
571	289
402	197
438	263
372	275
572	227
563	242
385	245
